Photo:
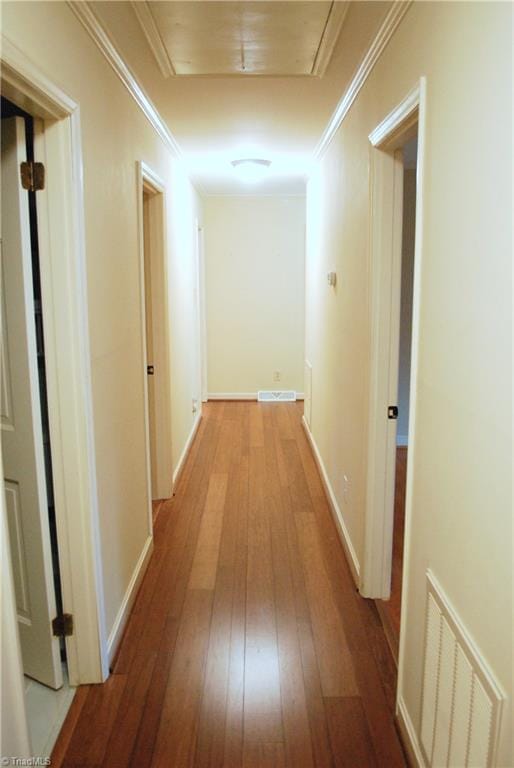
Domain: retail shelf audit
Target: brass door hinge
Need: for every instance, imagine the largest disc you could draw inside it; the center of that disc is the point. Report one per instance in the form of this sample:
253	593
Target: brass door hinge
62	626
32	176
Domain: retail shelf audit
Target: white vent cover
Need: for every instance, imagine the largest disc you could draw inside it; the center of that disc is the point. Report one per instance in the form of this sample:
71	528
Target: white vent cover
285	396
461	703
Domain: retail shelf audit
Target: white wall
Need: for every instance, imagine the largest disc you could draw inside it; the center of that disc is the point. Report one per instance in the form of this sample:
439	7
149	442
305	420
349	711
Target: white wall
255	277
115	135
462	460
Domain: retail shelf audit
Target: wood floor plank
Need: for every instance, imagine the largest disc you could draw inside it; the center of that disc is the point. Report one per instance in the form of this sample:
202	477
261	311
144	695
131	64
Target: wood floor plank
295	717
262	704
259	755
144	744
130	711
233	752
91	735
205	563
210	744
176	737
349	736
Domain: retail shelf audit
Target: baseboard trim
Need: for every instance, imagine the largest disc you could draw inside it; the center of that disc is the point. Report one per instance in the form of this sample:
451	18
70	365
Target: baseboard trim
240	396
351	555
408	735
183	456
120	622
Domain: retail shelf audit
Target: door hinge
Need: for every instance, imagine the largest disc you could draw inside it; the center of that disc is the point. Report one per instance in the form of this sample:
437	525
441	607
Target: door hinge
32	176
392	412
62	626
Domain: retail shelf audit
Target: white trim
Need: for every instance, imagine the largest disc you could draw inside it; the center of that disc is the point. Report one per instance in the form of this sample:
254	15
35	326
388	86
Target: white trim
399	118
388	27
240	396
385	270
153	37
351	555
402	441
120	622
414	364
183	456
84	12
202	310
333	27
408	735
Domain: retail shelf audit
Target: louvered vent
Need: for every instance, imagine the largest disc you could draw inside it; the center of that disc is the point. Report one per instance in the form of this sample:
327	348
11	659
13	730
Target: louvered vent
285	396
461	703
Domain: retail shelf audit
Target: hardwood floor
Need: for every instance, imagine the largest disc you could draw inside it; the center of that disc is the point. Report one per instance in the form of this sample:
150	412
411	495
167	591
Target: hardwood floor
248	645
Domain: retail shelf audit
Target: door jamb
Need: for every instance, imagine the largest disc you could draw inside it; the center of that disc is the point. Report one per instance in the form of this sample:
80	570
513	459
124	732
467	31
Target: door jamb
147	181
385	253
65	314
202	318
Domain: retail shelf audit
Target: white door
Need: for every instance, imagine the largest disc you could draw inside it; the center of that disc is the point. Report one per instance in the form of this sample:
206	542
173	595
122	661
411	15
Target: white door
22	440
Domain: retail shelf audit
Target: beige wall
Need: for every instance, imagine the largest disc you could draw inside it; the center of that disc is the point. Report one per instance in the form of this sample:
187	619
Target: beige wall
461	504
255	277
115	134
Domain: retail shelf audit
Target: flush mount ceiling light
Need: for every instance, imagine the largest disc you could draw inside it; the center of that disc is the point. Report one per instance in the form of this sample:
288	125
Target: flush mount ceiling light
251	170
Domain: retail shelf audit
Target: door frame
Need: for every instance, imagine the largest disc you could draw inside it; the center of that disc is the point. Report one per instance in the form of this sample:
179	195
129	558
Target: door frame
61	230
148	182
386	205
202	317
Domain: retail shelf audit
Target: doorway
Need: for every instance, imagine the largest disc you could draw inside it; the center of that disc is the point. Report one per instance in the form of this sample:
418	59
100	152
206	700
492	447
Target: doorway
390	610
26	442
154	302
396	177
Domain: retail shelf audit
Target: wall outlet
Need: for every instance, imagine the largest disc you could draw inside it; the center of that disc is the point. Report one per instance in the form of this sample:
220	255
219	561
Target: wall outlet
194	405
276	375
346	489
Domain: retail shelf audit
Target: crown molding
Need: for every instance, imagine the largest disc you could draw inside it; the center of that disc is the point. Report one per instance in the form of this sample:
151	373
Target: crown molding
91	23
381	39
333	27
153	37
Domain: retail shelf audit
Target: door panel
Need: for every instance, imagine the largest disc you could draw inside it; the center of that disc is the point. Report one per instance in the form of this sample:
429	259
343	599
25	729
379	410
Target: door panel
22	440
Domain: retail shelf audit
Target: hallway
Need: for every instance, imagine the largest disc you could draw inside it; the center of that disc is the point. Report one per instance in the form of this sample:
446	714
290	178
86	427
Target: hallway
248	644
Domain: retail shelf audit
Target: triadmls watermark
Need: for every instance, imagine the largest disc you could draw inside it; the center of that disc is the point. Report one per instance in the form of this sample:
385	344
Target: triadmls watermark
22	761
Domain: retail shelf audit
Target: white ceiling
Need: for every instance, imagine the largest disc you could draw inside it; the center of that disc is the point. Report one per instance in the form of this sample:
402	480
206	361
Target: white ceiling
217	118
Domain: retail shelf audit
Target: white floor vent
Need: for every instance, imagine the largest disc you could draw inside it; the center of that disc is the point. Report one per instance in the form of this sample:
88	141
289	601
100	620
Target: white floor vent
461	703
285	396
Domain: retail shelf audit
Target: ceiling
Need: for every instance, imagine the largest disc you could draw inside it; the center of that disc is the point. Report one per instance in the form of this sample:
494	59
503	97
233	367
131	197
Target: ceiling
299	58
241	38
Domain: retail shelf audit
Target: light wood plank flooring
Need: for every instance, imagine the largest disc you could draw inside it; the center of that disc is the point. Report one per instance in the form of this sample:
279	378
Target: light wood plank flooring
248	645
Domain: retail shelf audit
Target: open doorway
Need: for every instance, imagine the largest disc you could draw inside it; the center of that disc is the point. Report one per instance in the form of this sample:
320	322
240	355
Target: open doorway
26	442
156	340
390	610
396	176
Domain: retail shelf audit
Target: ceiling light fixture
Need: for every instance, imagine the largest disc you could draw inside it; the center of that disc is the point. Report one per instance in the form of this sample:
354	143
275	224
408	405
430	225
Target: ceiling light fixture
251	170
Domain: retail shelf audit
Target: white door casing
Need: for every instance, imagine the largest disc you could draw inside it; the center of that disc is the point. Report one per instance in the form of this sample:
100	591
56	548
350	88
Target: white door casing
22	439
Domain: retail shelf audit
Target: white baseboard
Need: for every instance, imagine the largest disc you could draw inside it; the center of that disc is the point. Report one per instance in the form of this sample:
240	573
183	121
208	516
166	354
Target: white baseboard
408	735
128	600
402	440
183	455
240	396
351	555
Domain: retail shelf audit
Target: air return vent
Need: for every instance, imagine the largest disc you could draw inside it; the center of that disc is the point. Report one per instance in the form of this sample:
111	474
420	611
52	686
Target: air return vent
461	703
285	396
